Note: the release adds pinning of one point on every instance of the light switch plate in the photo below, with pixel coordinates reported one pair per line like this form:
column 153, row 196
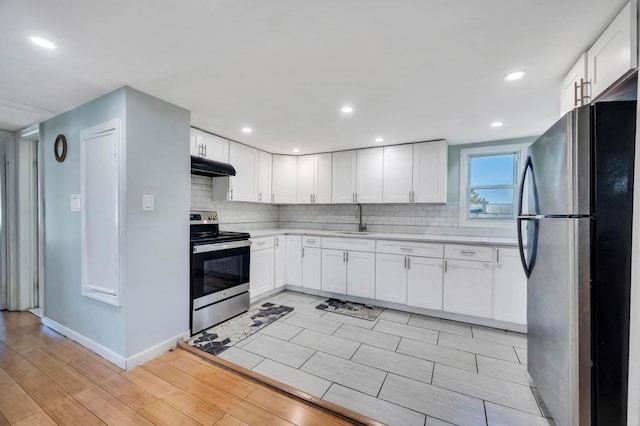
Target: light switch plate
column 148, row 203
column 76, row 202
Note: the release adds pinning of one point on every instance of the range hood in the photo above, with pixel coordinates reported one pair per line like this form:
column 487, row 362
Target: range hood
column 203, row 167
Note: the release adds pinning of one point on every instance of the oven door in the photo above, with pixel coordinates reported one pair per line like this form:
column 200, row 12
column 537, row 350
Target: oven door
column 219, row 271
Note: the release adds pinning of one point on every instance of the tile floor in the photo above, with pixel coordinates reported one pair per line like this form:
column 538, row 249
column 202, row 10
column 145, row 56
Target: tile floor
column 402, row 369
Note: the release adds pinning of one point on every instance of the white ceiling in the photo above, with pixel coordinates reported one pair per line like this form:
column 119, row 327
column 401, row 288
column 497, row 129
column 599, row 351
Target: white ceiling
column 413, row 69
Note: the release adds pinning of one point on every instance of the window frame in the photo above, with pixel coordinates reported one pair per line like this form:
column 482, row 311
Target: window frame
column 466, row 154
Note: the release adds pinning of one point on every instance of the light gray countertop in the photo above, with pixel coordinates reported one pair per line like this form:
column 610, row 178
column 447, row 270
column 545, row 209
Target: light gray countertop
column 427, row 238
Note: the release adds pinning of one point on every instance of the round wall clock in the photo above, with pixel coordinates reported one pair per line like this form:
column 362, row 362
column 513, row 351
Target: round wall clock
column 60, row 148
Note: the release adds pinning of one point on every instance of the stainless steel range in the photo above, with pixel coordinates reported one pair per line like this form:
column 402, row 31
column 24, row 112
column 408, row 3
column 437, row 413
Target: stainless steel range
column 219, row 272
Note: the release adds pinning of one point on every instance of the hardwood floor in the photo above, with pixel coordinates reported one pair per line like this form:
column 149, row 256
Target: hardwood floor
column 46, row 379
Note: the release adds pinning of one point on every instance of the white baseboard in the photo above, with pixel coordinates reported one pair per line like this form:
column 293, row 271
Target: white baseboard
column 111, row 356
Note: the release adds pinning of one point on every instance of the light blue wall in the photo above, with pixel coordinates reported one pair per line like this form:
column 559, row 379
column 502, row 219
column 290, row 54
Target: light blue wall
column 453, row 182
column 158, row 163
column 64, row 303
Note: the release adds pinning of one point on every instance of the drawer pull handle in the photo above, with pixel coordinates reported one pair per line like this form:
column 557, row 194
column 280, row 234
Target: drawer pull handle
column 405, row 249
column 261, row 243
column 468, row 253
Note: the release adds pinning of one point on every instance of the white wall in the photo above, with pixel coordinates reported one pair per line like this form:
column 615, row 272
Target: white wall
column 157, row 270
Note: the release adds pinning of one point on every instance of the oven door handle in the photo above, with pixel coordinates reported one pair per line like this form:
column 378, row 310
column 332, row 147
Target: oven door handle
column 206, row 248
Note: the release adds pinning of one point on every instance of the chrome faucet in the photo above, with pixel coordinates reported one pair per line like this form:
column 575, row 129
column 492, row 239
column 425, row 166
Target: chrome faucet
column 361, row 227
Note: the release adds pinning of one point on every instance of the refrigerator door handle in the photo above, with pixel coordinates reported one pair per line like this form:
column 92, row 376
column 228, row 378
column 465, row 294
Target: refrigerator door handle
column 532, row 219
column 527, row 166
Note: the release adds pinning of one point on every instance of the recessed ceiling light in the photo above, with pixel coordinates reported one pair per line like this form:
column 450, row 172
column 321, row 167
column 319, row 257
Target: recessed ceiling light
column 43, row 43
column 515, row 75
column 247, row 129
column 379, row 140
column 497, row 124
column 347, row 109
column 296, row 150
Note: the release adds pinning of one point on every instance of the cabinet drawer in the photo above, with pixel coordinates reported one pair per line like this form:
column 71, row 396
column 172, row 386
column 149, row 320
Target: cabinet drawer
column 311, row 241
column 481, row 254
column 354, row 244
column 261, row 243
column 409, row 248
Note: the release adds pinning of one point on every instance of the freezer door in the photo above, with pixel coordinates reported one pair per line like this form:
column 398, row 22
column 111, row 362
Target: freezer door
column 558, row 311
column 561, row 167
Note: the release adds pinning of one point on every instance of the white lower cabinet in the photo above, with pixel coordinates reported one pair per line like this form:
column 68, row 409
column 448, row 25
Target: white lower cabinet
column 391, row 278
column 311, row 267
column 294, row 260
column 280, row 272
column 510, row 287
column 334, row 271
column 468, row 287
column 424, row 282
column 361, row 274
column 261, row 270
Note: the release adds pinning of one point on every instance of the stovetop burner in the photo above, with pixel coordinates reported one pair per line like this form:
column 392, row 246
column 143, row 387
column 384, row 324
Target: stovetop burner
column 205, row 230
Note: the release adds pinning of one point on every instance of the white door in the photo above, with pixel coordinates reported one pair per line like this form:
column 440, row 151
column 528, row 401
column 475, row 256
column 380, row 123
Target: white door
column 214, row 147
column 322, row 176
column 615, row 52
column 571, row 94
column 243, row 186
column 467, row 288
column 343, row 181
column 369, row 176
column 311, row 267
column 305, row 179
column 398, row 174
column 361, row 274
column 280, row 264
column 285, row 179
column 510, row 287
column 334, row 271
column 264, row 177
column 391, row 278
column 430, row 172
column 294, row 260
column 261, row 272
column 424, row 282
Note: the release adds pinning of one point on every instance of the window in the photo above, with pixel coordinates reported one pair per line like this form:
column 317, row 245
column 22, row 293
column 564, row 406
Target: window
column 489, row 180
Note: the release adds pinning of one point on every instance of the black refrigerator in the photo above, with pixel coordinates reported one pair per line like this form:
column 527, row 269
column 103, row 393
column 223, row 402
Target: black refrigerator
column 576, row 199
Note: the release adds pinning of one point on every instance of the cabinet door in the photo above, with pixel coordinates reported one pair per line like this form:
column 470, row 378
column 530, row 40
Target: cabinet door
column 571, row 86
column 430, row 172
column 193, row 142
column 243, row 186
column 467, row 288
column 614, row 54
column 361, row 274
column 397, row 176
column 391, row 278
column 334, row 271
column 510, row 288
column 322, row 176
column 285, row 178
column 343, row 181
column 424, row 282
column 215, row 147
column 264, row 177
column 294, row 260
column 311, row 267
column 261, row 272
column 305, row 179
column 280, row 264
column 369, row 177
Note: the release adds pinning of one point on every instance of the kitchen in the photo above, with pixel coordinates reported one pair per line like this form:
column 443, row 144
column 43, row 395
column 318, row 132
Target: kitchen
column 335, row 203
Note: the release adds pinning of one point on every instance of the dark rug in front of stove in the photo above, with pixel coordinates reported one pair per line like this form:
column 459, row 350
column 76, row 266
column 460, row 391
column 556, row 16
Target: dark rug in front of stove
column 351, row 309
column 221, row 337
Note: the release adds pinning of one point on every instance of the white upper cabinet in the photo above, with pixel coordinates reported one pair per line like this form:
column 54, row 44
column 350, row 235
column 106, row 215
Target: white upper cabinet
column 314, row 178
column 264, row 176
column 370, row 165
column 615, row 53
column 344, row 177
column 430, row 169
column 573, row 87
column 285, row 178
column 305, row 179
column 398, row 164
column 244, row 185
column 209, row 146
